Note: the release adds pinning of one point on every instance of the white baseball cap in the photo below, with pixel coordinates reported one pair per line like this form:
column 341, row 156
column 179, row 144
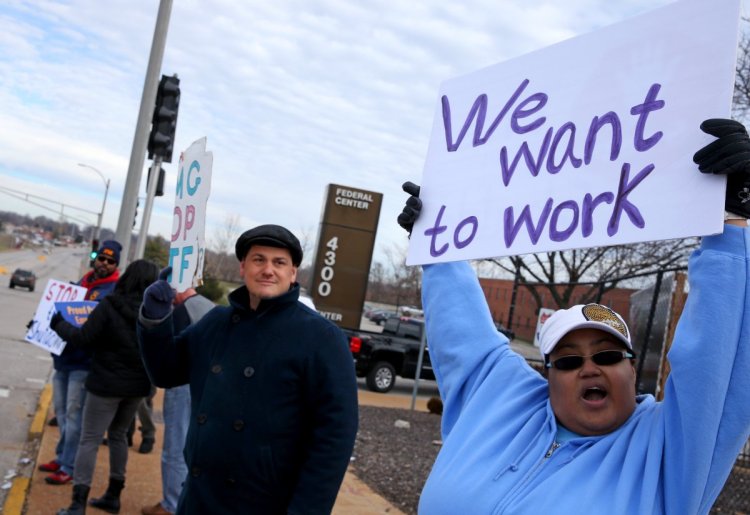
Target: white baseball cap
column 582, row 316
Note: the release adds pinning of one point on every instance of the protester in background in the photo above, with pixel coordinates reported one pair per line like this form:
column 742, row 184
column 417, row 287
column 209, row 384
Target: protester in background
column 115, row 386
column 273, row 390
column 189, row 307
column 580, row 440
column 72, row 367
column 144, row 415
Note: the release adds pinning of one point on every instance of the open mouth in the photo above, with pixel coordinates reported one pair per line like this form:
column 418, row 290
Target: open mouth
column 594, row 393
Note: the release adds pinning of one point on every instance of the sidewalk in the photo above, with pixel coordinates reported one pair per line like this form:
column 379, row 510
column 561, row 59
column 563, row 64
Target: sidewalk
column 143, row 483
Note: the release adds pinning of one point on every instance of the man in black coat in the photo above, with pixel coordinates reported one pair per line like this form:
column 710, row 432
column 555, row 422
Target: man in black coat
column 272, row 384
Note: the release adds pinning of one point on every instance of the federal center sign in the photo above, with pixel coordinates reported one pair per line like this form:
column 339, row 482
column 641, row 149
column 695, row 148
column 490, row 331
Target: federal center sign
column 346, row 240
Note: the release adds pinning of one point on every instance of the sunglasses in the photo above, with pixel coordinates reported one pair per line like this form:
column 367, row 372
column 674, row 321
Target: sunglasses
column 105, row 259
column 603, row 358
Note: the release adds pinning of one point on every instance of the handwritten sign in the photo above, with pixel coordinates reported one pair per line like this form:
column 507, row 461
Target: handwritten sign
column 40, row 333
column 585, row 143
column 76, row 313
column 188, row 245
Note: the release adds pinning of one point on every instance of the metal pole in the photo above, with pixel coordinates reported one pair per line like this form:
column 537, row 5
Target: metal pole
column 140, row 139
column 418, row 372
column 649, row 325
column 104, row 202
column 153, row 182
column 512, row 308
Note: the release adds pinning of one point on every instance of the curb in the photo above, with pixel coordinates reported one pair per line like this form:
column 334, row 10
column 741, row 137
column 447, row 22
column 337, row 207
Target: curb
column 40, row 417
column 16, row 498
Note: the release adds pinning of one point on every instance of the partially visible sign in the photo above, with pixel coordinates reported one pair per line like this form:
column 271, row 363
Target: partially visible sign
column 187, row 250
column 544, row 314
column 77, row 312
column 346, row 239
column 40, row 333
column 582, row 144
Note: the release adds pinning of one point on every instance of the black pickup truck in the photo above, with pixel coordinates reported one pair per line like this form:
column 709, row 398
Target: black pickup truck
column 380, row 357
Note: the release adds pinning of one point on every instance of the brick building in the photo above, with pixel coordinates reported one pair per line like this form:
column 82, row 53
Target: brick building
column 498, row 293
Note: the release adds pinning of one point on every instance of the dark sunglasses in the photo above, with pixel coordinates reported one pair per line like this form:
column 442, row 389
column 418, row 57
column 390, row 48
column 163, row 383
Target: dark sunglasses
column 105, row 259
column 603, row 358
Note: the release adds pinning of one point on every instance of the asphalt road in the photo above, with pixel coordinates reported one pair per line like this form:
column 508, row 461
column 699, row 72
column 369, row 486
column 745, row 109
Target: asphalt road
column 24, row 368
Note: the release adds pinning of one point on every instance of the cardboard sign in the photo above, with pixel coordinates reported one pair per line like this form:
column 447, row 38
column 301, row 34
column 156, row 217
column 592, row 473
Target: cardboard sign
column 40, row 333
column 582, row 144
column 188, row 245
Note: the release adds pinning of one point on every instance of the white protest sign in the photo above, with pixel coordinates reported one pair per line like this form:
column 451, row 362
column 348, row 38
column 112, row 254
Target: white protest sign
column 39, row 333
column 188, row 246
column 585, row 143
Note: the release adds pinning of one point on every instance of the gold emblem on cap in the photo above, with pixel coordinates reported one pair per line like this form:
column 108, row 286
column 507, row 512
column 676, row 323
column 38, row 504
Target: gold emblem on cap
column 603, row 314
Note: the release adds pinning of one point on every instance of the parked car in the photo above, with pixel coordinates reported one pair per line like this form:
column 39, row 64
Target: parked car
column 380, row 316
column 380, row 357
column 23, row 278
column 507, row 332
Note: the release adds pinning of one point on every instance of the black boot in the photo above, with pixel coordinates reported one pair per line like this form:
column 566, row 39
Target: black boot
column 110, row 501
column 78, row 506
column 147, row 445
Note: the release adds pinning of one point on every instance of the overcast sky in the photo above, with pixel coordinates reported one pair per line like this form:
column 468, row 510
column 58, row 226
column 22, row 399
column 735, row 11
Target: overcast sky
column 291, row 95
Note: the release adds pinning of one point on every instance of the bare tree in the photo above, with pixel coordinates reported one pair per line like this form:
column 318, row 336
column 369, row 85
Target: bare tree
column 599, row 269
column 406, row 281
column 741, row 101
column 219, row 262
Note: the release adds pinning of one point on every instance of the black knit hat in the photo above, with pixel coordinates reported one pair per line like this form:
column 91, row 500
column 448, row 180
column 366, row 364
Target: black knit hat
column 111, row 249
column 271, row 236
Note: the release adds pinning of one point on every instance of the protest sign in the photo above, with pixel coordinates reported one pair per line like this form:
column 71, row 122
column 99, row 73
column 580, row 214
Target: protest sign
column 39, row 332
column 76, row 313
column 188, row 245
column 582, row 144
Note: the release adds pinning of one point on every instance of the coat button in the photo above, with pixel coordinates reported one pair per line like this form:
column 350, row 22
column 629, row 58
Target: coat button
column 195, row 471
column 235, row 318
column 238, row 425
column 216, row 369
column 202, row 418
column 249, row 371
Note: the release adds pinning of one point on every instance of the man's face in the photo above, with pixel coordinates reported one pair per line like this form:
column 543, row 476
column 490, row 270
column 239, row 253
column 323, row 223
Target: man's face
column 267, row 272
column 593, row 399
column 104, row 266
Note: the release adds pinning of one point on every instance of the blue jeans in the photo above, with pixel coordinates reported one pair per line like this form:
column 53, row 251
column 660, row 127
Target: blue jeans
column 176, row 411
column 68, row 397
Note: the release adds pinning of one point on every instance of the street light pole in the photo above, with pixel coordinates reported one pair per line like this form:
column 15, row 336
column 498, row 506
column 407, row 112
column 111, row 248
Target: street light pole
column 104, row 202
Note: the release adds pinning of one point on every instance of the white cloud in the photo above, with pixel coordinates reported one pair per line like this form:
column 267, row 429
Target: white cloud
column 291, row 94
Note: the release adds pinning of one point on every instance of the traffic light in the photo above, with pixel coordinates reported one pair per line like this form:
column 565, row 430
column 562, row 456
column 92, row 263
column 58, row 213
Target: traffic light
column 94, row 251
column 164, row 120
column 159, row 182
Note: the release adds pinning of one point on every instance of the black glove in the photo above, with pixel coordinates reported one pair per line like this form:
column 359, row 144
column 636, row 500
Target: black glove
column 158, row 297
column 412, row 208
column 55, row 320
column 730, row 155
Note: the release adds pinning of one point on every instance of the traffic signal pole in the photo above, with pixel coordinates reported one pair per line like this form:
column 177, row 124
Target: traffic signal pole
column 153, row 181
column 138, row 151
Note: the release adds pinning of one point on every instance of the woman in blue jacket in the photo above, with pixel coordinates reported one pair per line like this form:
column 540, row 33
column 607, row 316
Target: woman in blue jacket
column 580, row 440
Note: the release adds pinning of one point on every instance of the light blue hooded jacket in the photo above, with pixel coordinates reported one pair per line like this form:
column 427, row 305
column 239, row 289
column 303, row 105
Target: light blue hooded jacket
column 669, row 457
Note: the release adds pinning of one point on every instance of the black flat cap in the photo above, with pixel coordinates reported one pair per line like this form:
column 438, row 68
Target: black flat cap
column 271, row 236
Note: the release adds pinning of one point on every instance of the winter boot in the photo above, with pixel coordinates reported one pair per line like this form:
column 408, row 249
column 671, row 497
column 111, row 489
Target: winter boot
column 110, row 501
column 78, row 506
